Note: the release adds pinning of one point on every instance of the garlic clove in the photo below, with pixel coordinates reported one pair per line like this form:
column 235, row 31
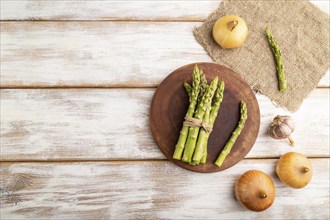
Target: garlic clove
column 289, row 122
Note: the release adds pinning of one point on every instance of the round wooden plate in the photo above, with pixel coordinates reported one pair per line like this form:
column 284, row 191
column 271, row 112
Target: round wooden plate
column 170, row 103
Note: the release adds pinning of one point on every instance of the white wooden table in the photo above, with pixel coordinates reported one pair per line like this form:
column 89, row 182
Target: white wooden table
column 77, row 78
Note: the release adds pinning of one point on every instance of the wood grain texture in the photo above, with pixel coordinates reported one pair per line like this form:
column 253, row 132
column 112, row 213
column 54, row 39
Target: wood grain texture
column 103, row 54
column 170, row 103
column 94, row 54
column 101, row 124
column 112, row 124
column 150, row 190
column 113, row 10
column 106, row 10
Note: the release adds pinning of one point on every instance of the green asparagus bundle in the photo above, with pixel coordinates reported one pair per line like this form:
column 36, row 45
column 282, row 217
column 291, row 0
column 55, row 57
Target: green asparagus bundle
column 195, row 89
column 235, row 134
column 209, row 118
column 199, row 114
column 199, row 120
column 203, row 89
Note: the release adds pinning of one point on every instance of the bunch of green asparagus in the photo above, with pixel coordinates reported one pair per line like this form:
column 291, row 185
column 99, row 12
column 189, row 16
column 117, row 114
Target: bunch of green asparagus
column 192, row 144
column 200, row 117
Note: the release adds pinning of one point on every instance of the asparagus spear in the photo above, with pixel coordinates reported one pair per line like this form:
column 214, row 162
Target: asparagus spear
column 214, row 112
column 203, row 87
column 191, row 109
column 210, row 119
column 203, row 160
column 202, row 135
column 234, row 135
column 188, row 88
column 278, row 58
column 204, row 157
column 193, row 131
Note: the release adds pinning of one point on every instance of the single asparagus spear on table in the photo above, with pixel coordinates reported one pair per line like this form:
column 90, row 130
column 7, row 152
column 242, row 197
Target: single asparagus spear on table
column 209, row 118
column 278, row 58
column 229, row 145
column 191, row 109
column 193, row 131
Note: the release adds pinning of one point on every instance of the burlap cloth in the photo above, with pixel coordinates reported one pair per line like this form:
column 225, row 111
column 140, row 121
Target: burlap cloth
column 302, row 32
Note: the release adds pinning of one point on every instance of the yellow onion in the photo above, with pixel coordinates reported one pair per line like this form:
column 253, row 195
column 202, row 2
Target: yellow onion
column 255, row 190
column 294, row 170
column 230, row 31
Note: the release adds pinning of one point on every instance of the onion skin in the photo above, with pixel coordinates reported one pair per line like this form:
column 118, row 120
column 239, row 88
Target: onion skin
column 230, row 31
column 255, row 190
column 294, row 170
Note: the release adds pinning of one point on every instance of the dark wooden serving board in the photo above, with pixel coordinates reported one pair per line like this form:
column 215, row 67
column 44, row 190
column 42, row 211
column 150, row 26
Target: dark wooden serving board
column 170, row 104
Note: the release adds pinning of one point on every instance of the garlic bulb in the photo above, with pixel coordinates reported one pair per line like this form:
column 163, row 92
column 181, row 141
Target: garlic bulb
column 255, row 190
column 281, row 128
column 294, row 170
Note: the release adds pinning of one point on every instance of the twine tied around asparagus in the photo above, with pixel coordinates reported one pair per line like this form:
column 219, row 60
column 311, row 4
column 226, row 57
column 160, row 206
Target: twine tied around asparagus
column 193, row 122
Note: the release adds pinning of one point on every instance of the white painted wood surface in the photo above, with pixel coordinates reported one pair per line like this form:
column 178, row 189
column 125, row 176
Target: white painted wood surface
column 87, row 43
column 101, row 124
column 87, row 54
column 151, row 190
column 105, row 10
column 165, row 10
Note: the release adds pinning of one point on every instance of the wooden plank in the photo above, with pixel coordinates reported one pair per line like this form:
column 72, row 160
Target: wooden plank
column 106, row 10
column 113, row 10
column 150, row 190
column 112, row 124
column 86, row 54
column 104, row 54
